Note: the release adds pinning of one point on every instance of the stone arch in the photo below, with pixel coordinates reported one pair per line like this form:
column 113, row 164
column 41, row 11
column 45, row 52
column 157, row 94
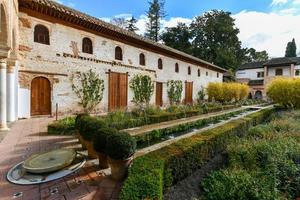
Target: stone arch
column 3, row 26
column 258, row 95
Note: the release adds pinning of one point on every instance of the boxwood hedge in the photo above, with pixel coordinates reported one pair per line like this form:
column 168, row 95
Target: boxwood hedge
column 152, row 173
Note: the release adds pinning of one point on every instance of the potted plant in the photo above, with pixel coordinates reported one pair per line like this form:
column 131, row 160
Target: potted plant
column 78, row 127
column 100, row 140
column 90, row 126
column 120, row 149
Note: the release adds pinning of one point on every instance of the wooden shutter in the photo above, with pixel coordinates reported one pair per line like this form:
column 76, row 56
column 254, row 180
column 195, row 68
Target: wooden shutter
column 159, row 94
column 123, row 90
column 189, row 92
column 40, row 96
column 118, row 91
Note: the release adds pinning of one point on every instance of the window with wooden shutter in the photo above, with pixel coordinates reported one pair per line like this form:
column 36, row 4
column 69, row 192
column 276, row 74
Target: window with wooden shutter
column 189, row 70
column 142, row 59
column 41, row 34
column 160, row 63
column 118, row 53
column 199, row 73
column 87, row 46
column 176, row 68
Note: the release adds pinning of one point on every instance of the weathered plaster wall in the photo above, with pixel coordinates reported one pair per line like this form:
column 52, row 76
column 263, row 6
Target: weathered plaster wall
column 249, row 74
column 55, row 59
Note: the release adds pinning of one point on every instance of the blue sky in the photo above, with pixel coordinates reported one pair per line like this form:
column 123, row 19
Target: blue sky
column 174, row 8
column 264, row 24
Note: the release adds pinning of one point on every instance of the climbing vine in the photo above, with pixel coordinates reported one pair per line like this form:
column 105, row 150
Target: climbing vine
column 143, row 88
column 89, row 89
column 174, row 91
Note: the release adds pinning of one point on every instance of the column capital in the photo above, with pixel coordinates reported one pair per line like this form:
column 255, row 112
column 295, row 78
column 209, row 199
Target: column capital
column 3, row 64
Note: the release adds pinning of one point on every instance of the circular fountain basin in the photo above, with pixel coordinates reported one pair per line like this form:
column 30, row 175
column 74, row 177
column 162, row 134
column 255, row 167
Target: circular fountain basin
column 50, row 161
column 18, row 175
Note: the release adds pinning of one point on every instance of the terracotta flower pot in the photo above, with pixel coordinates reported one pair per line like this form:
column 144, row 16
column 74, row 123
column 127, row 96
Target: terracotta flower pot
column 91, row 151
column 103, row 162
column 119, row 168
column 81, row 140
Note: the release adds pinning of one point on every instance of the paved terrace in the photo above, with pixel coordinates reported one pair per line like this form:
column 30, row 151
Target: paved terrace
column 27, row 137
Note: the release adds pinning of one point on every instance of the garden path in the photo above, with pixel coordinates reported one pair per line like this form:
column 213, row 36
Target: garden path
column 29, row 136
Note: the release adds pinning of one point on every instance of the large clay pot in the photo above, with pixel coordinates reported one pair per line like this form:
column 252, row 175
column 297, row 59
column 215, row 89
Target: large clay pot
column 91, row 151
column 103, row 162
column 81, row 140
column 119, row 168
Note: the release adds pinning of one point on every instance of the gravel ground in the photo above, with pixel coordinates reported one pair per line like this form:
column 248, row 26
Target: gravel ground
column 188, row 189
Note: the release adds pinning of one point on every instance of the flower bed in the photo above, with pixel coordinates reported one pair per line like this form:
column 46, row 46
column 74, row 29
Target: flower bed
column 158, row 170
column 64, row 126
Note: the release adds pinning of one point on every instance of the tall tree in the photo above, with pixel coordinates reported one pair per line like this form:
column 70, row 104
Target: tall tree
column 251, row 55
column 155, row 14
column 216, row 39
column 291, row 49
column 119, row 21
column 131, row 24
column 178, row 37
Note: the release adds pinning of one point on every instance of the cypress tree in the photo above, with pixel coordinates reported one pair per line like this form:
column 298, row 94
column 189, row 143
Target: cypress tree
column 291, row 49
column 131, row 24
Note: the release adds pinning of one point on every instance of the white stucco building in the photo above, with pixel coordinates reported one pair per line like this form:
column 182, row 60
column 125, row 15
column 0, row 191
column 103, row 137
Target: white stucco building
column 43, row 44
column 259, row 74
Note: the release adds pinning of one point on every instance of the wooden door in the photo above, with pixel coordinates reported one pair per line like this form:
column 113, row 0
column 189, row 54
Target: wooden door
column 189, row 92
column 159, row 94
column 40, row 96
column 118, row 91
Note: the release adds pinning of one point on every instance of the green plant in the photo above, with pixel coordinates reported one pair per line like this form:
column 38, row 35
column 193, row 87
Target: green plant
column 64, row 126
column 100, row 138
column 158, row 170
column 143, row 88
column 200, row 96
column 89, row 127
column 174, row 91
column 78, row 120
column 89, row 89
column 120, row 146
column 238, row 184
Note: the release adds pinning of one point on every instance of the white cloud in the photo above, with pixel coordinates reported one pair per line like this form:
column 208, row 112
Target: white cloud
column 278, row 2
column 267, row 31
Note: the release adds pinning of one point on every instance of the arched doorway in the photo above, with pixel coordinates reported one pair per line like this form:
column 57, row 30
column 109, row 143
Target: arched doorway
column 258, row 95
column 3, row 27
column 40, row 96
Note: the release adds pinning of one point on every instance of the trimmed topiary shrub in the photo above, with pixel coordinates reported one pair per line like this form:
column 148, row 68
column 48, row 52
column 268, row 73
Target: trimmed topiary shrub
column 89, row 127
column 120, row 146
column 78, row 120
column 158, row 170
column 100, row 138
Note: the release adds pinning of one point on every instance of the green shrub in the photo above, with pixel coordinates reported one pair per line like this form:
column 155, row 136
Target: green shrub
column 89, row 127
column 238, row 184
column 120, row 146
column 78, row 120
column 180, row 159
column 64, row 126
column 100, row 138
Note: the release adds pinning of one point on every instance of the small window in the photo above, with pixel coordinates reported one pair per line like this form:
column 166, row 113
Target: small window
column 87, row 46
column 260, row 74
column 218, row 75
column 278, row 72
column 206, row 73
column 189, row 70
column 176, row 68
column 199, row 73
column 41, row 34
column 160, row 63
column 118, row 53
column 142, row 59
column 297, row 73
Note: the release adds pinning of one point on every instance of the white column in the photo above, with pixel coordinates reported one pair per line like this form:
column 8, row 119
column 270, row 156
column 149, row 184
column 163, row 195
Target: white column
column 16, row 90
column 3, row 124
column 11, row 93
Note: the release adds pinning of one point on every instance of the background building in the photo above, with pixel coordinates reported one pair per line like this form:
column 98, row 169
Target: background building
column 259, row 74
